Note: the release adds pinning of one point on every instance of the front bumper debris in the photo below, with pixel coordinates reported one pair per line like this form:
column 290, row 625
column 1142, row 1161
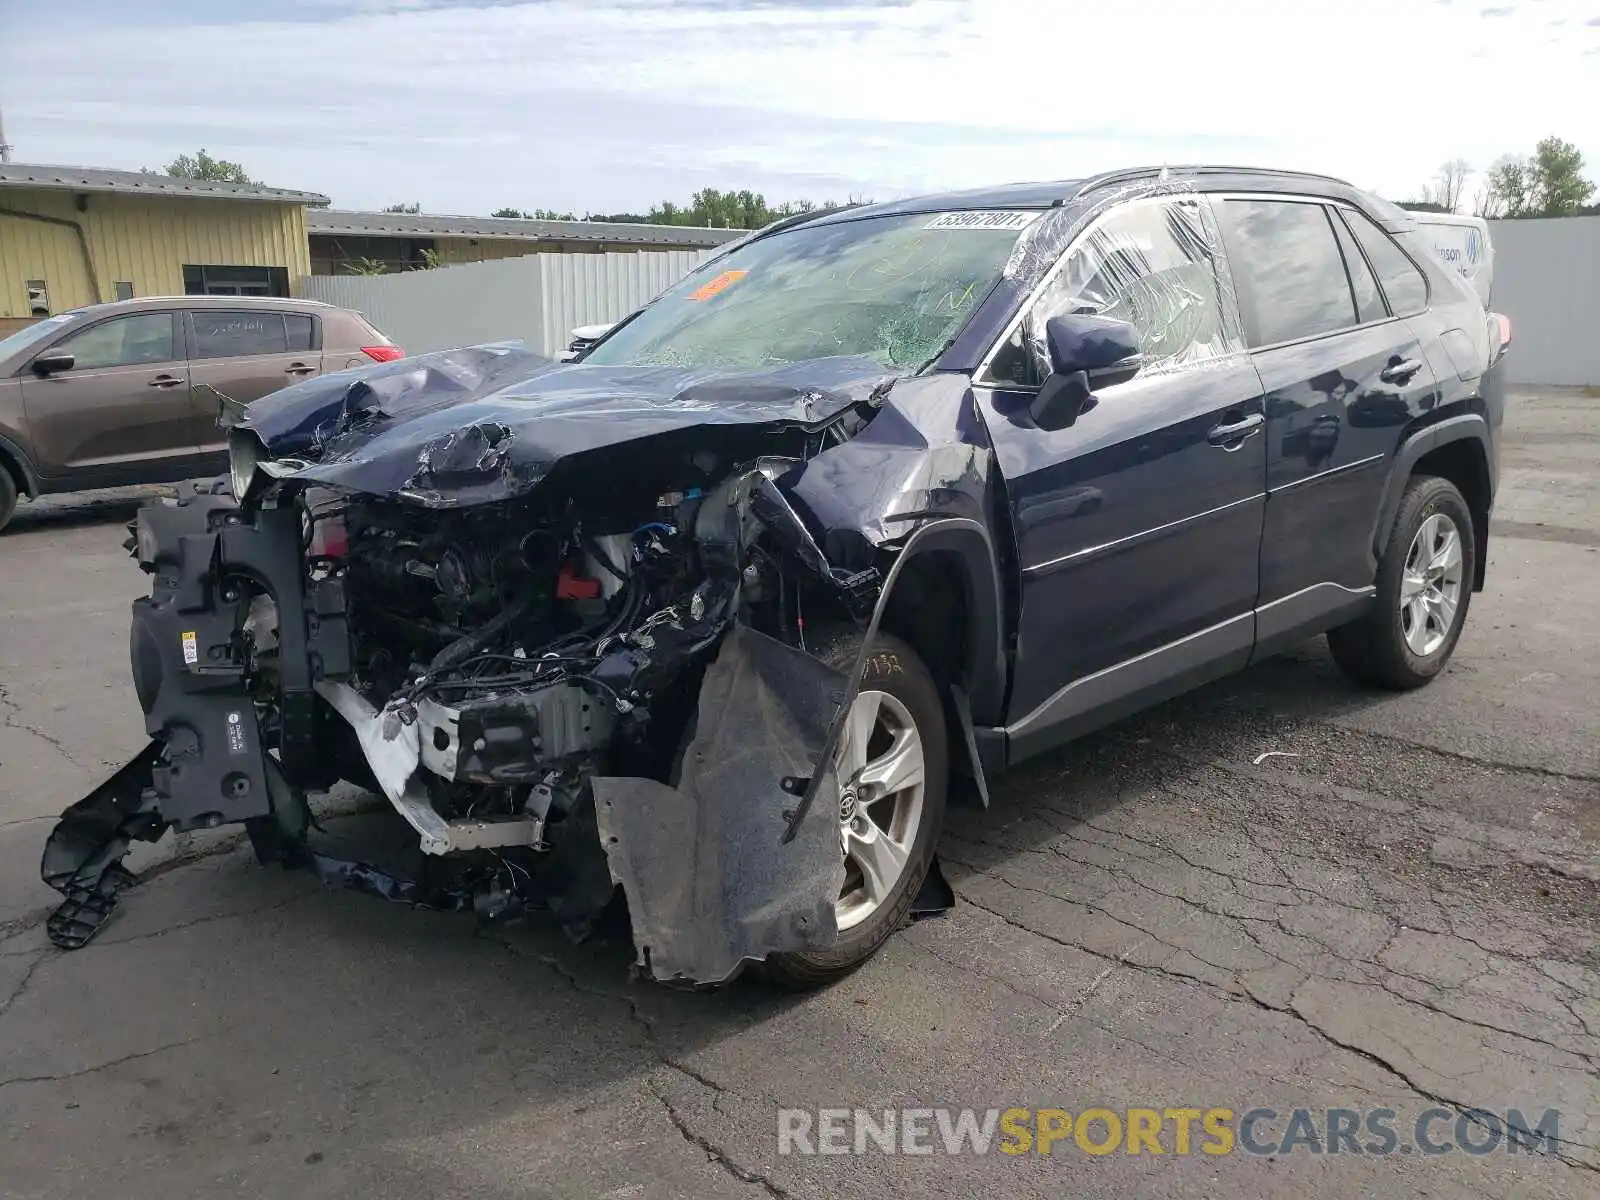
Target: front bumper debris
column 715, row 868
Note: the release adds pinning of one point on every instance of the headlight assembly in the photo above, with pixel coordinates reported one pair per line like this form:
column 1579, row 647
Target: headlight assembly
column 244, row 459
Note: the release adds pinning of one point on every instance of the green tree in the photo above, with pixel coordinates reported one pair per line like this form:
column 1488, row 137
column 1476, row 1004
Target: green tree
column 1548, row 183
column 414, row 207
column 1506, row 192
column 539, row 214
column 1555, row 177
column 203, row 166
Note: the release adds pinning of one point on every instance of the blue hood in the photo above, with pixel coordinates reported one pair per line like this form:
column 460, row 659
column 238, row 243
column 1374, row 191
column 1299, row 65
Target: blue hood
column 488, row 423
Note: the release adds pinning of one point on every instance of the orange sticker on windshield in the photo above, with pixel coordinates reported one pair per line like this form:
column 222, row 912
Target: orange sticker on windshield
column 718, row 285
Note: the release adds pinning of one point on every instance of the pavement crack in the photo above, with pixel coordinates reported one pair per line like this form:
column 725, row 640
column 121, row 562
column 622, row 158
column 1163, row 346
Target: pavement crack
column 105, row 1066
column 25, row 982
column 715, row 1153
column 1114, row 960
column 636, row 1015
column 209, row 920
column 1464, row 1108
column 10, row 720
column 24, row 821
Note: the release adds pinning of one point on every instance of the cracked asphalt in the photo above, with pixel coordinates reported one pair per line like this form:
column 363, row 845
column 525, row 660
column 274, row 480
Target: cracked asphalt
column 1400, row 908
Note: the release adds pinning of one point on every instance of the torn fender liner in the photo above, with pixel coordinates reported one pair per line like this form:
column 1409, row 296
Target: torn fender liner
column 83, row 857
column 709, row 880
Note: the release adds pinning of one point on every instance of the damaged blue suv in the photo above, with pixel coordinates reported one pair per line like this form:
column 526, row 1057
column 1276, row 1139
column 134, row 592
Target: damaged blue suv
column 702, row 624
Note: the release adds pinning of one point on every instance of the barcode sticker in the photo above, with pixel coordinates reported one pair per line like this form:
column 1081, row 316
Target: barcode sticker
column 983, row 220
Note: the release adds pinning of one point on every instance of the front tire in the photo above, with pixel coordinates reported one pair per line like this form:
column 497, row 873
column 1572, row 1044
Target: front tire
column 8, row 495
column 1424, row 586
column 893, row 770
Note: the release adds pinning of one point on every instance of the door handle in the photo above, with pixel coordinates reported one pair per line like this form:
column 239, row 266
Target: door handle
column 1400, row 372
column 298, row 369
column 166, row 381
column 1232, row 435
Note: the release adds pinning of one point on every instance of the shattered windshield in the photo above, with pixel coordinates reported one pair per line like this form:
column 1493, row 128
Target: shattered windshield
column 894, row 289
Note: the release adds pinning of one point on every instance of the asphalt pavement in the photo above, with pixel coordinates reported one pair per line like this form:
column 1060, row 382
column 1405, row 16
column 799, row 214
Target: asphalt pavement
column 1281, row 892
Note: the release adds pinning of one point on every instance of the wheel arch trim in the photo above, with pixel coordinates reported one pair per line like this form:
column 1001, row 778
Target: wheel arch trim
column 11, row 452
column 1467, row 427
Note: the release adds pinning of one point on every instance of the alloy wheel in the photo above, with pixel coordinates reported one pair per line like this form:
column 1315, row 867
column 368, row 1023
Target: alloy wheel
column 881, row 771
column 1430, row 586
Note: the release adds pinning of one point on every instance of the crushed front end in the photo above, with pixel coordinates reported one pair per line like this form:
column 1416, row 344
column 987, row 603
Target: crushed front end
column 570, row 673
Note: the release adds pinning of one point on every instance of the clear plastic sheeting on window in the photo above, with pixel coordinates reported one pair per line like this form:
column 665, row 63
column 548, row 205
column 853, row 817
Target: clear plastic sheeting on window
column 1151, row 256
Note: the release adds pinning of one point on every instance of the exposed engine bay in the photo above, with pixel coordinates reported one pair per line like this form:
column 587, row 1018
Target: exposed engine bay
column 588, row 682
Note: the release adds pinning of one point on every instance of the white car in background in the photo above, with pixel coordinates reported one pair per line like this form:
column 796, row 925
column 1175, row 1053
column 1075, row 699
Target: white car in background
column 1463, row 243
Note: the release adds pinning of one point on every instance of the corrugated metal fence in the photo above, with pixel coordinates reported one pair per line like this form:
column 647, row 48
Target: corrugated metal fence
column 536, row 299
column 1547, row 280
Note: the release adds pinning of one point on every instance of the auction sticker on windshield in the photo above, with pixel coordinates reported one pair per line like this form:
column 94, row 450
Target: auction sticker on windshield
column 983, row 220
column 721, row 283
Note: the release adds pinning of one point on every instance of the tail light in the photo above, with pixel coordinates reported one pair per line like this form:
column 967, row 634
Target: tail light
column 1500, row 328
column 383, row 353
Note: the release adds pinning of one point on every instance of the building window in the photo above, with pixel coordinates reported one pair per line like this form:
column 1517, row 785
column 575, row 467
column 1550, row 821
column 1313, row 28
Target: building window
column 38, row 298
column 235, row 281
column 124, row 291
column 356, row 255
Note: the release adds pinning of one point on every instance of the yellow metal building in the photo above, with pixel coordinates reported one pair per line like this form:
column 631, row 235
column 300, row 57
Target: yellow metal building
column 71, row 236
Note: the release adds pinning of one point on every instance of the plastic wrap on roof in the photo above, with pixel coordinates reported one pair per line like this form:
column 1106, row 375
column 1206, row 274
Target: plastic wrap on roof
column 1148, row 253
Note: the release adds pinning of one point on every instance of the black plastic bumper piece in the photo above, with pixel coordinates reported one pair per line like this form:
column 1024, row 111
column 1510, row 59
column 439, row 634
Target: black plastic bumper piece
column 83, row 857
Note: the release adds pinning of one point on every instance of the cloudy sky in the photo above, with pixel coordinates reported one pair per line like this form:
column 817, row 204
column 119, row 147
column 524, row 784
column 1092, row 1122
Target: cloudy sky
column 468, row 105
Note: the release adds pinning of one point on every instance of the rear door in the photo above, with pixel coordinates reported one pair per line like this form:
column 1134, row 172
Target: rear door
column 1344, row 374
column 245, row 353
column 122, row 414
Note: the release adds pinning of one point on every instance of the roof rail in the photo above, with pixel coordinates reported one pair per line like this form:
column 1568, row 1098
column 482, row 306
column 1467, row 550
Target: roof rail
column 1096, row 182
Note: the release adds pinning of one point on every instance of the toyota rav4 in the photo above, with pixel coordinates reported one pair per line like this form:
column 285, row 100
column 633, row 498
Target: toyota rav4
column 706, row 619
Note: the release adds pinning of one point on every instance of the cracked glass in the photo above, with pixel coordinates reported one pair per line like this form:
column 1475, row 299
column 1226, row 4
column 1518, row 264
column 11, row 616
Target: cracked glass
column 893, row 289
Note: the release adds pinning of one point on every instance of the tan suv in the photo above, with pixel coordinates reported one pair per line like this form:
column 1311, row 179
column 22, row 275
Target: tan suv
column 116, row 394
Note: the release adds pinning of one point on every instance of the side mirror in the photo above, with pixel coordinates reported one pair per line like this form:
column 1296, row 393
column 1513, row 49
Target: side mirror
column 1085, row 351
column 51, row 362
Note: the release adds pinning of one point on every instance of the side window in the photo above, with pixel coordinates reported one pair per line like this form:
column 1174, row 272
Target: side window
column 301, row 331
column 1286, row 252
column 1369, row 301
column 1403, row 284
column 238, row 334
column 122, row 342
column 1152, row 264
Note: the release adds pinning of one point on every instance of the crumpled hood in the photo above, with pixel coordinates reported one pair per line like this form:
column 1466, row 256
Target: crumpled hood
column 487, row 423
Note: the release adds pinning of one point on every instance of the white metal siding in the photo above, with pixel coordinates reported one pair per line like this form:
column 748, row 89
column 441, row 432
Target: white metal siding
column 536, row 299
column 1547, row 280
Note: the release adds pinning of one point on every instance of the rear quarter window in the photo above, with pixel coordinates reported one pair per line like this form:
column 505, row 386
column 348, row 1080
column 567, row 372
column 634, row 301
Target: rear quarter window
column 1402, row 282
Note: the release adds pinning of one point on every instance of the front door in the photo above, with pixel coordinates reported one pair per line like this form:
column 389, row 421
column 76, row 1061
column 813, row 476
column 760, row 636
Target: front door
column 122, row 413
column 1138, row 528
column 245, row 354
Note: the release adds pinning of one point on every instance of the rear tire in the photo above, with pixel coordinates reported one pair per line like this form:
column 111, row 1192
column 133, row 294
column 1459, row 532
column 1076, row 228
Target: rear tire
column 907, row 702
column 1424, row 587
column 8, row 494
